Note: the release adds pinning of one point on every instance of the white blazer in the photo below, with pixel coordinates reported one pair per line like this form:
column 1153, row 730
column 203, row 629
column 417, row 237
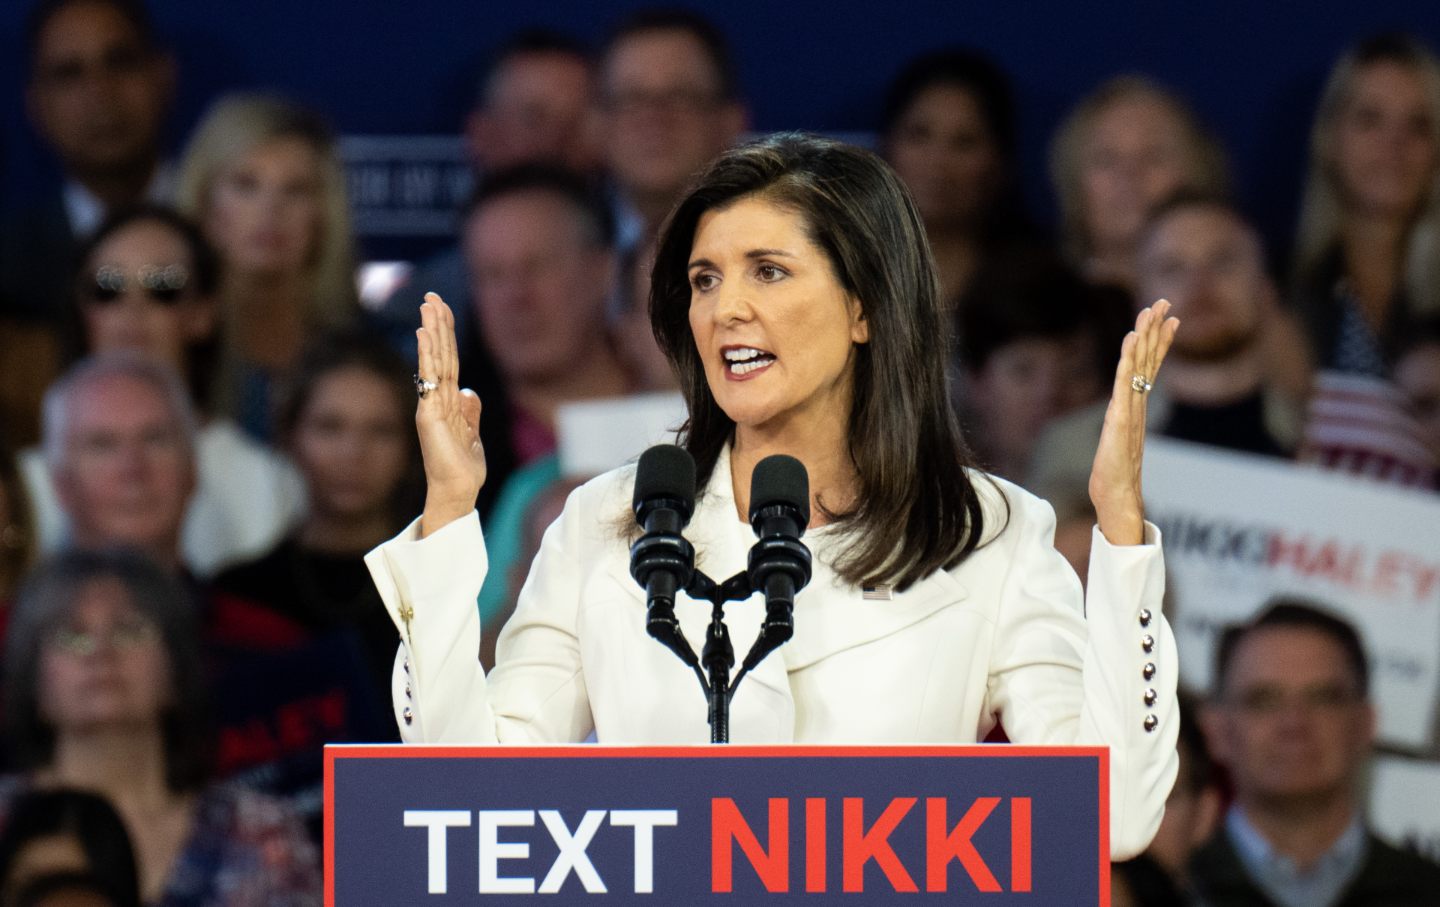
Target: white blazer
column 1006, row 636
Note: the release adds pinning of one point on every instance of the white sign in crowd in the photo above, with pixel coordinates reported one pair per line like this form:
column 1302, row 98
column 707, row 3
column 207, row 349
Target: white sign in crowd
column 1239, row 530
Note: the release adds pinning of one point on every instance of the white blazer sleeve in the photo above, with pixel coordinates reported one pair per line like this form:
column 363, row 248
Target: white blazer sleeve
column 429, row 588
column 1071, row 669
column 441, row 694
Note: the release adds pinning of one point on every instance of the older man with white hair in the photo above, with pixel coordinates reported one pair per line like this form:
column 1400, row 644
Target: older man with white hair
column 119, row 449
column 125, row 460
column 121, row 453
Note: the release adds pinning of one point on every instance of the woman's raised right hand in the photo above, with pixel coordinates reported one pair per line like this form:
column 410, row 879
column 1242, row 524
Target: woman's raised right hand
column 448, row 421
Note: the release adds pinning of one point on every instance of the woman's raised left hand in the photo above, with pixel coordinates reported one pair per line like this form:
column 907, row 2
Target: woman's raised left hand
column 1115, row 475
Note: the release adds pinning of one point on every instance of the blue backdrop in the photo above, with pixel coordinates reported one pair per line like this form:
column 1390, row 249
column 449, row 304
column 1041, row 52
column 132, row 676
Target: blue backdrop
column 1252, row 69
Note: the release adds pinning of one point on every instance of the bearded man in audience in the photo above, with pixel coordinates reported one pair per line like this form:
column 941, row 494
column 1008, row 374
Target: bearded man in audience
column 1200, row 253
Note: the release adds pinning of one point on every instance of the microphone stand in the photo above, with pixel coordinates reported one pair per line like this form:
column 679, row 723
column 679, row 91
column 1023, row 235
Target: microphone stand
column 778, row 566
column 718, row 655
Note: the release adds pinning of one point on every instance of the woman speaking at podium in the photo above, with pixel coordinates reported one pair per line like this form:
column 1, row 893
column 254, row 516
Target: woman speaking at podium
column 795, row 295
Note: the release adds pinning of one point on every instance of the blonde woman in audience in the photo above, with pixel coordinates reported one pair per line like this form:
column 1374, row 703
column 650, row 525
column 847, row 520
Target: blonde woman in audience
column 1367, row 258
column 1125, row 147
column 105, row 691
column 263, row 179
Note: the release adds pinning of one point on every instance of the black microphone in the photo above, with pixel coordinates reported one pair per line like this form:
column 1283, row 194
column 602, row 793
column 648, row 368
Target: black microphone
column 779, row 562
column 662, row 560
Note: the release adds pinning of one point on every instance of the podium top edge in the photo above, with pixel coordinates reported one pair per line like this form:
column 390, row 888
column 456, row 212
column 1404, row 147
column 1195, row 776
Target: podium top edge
column 704, row 751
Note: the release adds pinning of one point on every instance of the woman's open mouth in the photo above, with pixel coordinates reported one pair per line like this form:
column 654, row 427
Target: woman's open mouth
column 744, row 361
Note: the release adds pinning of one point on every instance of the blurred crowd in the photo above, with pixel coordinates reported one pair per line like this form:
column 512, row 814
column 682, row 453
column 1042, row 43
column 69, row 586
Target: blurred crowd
column 202, row 431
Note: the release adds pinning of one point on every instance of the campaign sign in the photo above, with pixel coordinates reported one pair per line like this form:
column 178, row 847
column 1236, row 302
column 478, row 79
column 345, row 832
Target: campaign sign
column 1239, row 530
column 1002, row 825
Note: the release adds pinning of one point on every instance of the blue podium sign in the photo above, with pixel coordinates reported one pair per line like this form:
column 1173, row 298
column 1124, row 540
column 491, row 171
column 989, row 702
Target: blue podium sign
column 1002, row 825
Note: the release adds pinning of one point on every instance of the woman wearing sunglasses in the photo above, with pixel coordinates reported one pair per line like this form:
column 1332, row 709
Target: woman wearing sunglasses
column 146, row 286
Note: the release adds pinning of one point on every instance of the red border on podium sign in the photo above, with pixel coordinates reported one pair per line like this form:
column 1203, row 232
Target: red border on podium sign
column 701, row 751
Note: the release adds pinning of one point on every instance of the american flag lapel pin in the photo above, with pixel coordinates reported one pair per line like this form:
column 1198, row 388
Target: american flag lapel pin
column 880, row 592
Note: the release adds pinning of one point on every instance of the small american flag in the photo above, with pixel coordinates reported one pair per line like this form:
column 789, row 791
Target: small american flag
column 1359, row 424
column 876, row 593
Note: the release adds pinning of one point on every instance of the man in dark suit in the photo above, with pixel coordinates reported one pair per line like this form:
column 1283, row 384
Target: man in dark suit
column 1292, row 721
column 98, row 94
column 534, row 105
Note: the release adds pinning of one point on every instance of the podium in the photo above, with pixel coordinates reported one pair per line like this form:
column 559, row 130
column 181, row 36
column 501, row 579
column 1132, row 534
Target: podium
column 736, row 825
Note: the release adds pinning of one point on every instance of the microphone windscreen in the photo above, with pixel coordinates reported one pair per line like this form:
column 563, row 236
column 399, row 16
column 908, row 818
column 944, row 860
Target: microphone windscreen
column 665, row 471
column 780, row 479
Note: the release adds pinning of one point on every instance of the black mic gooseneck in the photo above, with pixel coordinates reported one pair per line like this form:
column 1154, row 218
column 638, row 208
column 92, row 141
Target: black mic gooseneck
column 663, row 562
column 779, row 563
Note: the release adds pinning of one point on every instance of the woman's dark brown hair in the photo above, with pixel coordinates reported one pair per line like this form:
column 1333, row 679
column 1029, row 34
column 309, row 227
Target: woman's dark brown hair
column 917, row 510
column 87, row 819
column 339, row 350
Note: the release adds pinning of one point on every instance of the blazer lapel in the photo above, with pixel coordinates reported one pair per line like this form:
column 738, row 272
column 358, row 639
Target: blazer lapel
column 832, row 616
column 762, row 710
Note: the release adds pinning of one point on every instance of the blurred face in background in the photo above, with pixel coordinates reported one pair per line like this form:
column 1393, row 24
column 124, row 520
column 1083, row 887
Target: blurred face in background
column 138, row 294
column 98, row 95
column 351, row 443
column 44, row 856
column 1385, row 152
column 666, row 116
column 77, row 895
column 541, row 283
column 1024, row 384
column 1209, row 265
column 126, row 471
column 1133, row 157
column 538, row 107
column 265, row 210
column 1291, row 723
column 104, row 665
column 943, row 150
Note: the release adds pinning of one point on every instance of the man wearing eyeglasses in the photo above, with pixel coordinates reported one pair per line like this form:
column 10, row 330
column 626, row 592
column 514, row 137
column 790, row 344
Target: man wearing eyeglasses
column 98, row 95
column 1291, row 720
column 669, row 104
column 119, row 444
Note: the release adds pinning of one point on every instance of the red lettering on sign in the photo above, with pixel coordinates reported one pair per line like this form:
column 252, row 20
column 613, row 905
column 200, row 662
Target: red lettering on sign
column 1019, row 843
column 815, row 844
column 942, row 847
column 861, row 846
column 727, row 825
column 1426, row 576
column 1283, row 552
column 1387, row 569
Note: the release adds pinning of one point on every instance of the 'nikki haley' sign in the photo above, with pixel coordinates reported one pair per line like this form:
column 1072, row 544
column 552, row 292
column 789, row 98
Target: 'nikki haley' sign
column 716, row 825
